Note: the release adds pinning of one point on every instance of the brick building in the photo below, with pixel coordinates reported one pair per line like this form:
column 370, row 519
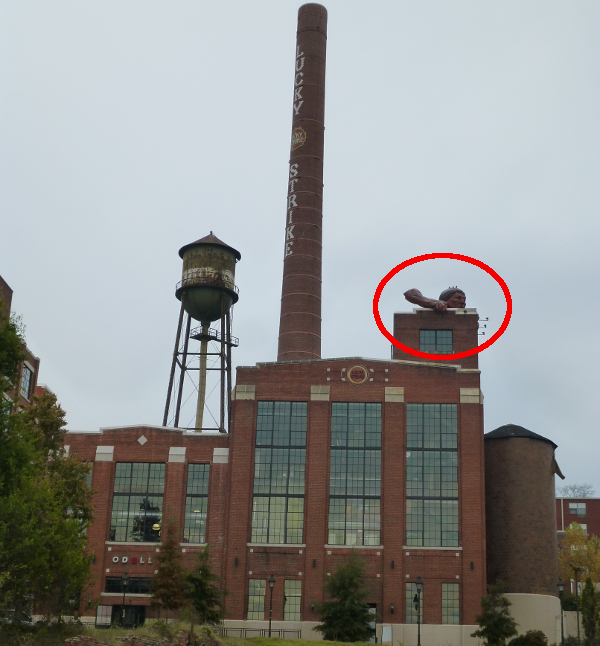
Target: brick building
column 385, row 457
column 584, row 511
column 27, row 377
column 323, row 456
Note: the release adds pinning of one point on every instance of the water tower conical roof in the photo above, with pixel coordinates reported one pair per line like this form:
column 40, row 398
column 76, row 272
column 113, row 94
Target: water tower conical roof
column 210, row 239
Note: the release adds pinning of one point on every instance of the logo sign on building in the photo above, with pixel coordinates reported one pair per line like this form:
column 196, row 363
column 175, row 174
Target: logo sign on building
column 298, row 138
column 134, row 559
column 357, row 374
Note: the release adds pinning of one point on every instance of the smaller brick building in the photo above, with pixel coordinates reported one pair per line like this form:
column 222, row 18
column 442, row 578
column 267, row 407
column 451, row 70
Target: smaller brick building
column 141, row 475
column 584, row 511
column 27, row 377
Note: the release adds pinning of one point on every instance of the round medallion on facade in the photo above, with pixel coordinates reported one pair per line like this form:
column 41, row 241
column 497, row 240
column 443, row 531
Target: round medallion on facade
column 357, row 374
column 298, row 137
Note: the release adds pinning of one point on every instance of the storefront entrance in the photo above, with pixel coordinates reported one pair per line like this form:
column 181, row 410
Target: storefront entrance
column 134, row 616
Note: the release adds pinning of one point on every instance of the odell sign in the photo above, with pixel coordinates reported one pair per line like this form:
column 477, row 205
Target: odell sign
column 132, row 559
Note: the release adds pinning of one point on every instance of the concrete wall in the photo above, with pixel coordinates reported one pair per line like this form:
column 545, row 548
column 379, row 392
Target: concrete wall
column 571, row 624
column 431, row 634
column 536, row 612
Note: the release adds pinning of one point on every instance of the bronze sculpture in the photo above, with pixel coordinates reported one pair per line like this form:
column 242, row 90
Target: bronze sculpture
column 453, row 297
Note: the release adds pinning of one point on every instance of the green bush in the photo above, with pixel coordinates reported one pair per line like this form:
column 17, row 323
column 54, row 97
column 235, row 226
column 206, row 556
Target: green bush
column 530, row 638
column 569, row 602
column 164, row 629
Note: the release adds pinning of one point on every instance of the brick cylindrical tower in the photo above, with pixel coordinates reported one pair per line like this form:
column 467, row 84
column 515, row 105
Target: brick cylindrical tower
column 520, row 510
column 300, row 322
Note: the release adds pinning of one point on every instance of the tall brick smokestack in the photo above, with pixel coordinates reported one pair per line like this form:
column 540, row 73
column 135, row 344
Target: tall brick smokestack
column 300, row 321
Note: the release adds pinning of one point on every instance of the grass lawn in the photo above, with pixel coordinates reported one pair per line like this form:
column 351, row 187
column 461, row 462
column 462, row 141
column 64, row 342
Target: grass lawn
column 56, row 635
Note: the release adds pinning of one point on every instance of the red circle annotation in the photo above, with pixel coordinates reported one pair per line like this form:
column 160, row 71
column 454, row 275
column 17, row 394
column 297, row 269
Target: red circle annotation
column 433, row 256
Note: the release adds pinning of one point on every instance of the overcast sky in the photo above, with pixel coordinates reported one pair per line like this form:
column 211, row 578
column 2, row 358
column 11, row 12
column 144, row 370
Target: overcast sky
column 129, row 129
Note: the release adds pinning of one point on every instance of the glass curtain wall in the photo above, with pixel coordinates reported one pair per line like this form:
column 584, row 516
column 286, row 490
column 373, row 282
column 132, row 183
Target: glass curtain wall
column 431, row 475
column 196, row 503
column 137, row 502
column 279, row 467
column 355, row 474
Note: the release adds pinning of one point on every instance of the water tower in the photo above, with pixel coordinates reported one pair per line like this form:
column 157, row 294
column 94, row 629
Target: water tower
column 207, row 293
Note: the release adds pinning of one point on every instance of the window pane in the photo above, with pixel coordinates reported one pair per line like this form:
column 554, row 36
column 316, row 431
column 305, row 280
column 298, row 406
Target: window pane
column 137, row 502
column 26, row 382
column 435, row 341
column 450, row 603
column 279, row 471
column 432, row 475
column 292, row 600
column 256, row 599
column 411, row 612
column 196, row 503
column 355, row 474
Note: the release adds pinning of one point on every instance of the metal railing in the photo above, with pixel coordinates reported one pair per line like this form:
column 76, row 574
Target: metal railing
column 213, row 335
column 246, row 633
column 210, row 280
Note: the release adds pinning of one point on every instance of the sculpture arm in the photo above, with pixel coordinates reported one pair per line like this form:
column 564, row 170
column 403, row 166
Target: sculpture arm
column 414, row 296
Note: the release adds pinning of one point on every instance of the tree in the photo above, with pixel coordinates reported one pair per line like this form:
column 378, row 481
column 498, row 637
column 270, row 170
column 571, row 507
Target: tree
column 495, row 622
column 45, row 502
column 169, row 587
column 530, row 638
column 346, row 617
column 580, row 550
column 11, row 349
column 204, row 592
column 45, row 506
column 575, row 491
column 589, row 612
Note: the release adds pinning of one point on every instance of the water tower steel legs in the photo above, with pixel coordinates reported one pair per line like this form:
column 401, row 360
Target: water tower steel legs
column 224, row 339
column 172, row 375
column 181, row 356
column 183, row 366
column 228, row 327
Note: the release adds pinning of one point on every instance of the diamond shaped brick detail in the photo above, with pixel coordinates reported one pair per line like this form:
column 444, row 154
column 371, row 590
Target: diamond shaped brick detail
column 142, row 440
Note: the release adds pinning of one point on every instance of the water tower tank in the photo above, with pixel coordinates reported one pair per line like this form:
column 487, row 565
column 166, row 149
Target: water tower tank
column 208, row 277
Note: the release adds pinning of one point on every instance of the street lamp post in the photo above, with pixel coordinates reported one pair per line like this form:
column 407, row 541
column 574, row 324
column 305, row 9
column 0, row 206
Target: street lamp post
column 125, row 581
column 577, row 570
column 417, row 602
column 271, row 585
column 561, row 589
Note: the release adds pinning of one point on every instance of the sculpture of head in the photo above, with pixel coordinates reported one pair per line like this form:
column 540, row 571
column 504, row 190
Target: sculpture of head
column 454, row 297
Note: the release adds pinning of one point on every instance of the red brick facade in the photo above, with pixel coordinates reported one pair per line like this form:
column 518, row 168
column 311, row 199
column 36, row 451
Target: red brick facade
column 319, row 383
column 521, row 541
column 31, row 364
column 591, row 519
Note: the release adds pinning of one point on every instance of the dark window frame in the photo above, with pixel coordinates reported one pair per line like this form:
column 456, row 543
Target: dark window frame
column 143, row 516
column 432, row 508
column 580, row 509
column 135, row 585
column 451, row 611
column 259, row 588
column 279, row 473
column 26, row 382
column 436, row 341
column 355, row 473
column 292, row 600
column 410, row 589
column 196, row 498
